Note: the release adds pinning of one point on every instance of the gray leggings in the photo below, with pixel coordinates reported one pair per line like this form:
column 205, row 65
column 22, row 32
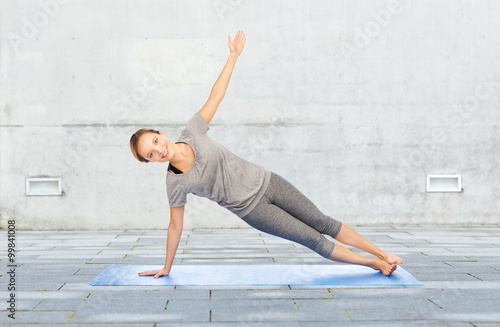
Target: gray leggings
column 285, row 212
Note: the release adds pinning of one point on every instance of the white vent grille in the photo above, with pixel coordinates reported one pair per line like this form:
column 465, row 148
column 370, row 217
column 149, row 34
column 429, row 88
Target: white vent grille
column 444, row 183
column 44, row 186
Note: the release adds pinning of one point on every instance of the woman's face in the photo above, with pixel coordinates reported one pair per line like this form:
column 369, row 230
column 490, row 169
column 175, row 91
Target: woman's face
column 155, row 147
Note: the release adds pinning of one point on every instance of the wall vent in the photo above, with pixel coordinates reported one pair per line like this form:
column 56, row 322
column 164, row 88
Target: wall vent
column 44, row 186
column 444, row 183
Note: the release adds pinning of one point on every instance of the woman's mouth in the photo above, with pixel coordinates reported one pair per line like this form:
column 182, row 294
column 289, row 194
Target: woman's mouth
column 165, row 152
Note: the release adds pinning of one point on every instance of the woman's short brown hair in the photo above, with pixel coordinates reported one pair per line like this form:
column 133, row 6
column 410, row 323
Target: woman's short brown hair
column 134, row 139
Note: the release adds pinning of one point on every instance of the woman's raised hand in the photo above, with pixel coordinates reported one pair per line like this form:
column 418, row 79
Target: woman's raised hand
column 156, row 273
column 238, row 43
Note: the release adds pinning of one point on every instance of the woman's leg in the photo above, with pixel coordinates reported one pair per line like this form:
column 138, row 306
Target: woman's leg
column 349, row 236
column 271, row 218
column 286, row 196
column 341, row 254
column 289, row 198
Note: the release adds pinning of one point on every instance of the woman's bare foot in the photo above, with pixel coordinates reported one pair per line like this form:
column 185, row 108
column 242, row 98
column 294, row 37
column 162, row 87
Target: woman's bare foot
column 390, row 258
column 384, row 267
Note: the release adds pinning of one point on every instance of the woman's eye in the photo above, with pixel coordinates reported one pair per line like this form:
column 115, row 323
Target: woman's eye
column 156, row 141
column 151, row 155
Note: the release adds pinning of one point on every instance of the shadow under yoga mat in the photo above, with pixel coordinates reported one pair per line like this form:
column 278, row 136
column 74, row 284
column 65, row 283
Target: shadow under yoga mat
column 228, row 275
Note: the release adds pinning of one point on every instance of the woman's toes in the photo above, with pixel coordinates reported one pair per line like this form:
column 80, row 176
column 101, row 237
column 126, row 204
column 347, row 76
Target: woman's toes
column 392, row 258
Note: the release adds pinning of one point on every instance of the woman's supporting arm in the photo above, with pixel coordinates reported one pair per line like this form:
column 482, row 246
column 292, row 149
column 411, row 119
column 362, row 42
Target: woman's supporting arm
column 173, row 237
column 220, row 86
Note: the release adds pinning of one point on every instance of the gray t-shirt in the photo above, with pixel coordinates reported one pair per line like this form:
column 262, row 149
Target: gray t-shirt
column 216, row 173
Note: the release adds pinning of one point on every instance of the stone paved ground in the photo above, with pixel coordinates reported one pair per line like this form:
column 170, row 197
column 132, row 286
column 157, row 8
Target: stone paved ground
column 459, row 267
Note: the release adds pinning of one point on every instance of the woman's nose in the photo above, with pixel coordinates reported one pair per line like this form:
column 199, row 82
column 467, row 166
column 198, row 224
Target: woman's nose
column 158, row 150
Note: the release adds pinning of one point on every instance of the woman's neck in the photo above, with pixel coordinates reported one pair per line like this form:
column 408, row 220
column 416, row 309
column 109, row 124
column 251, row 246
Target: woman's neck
column 183, row 157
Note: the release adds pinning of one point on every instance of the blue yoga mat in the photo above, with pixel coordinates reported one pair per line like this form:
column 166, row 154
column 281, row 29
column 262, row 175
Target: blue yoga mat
column 217, row 275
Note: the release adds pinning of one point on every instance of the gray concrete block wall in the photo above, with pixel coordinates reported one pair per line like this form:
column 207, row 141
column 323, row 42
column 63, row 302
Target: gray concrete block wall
column 354, row 102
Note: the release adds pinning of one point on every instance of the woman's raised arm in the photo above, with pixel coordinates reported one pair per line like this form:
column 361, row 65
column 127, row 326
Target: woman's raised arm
column 220, row 86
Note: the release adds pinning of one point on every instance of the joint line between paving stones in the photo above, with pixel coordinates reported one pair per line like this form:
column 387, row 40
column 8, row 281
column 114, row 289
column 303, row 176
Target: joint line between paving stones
column 37, row 305
column 72, row 315
column 440, row 307
column 88, row 295
column 474, row 276
column 345, row 310
column 330, row 291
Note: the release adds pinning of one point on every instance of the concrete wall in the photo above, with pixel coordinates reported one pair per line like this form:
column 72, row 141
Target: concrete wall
column 354, row 102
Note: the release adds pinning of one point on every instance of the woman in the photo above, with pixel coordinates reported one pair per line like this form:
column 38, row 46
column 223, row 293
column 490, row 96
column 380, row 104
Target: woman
column 263, row 199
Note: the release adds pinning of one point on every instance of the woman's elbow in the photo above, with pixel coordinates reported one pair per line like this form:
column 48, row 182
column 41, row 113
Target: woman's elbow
column 217, row 96
column 177, row 228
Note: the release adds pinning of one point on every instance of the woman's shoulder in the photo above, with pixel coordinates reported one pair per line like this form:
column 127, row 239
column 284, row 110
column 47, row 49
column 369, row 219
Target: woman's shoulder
column 197, row 125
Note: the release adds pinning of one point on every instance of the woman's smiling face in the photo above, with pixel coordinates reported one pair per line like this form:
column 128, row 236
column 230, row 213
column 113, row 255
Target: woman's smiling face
column 155, row 147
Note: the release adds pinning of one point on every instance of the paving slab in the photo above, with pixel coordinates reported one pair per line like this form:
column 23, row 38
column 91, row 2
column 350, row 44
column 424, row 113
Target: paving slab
column 271, row 294
column 401, row 316
column 252, row 310
column 35, row 317
column 402, row 323
column 92, row 325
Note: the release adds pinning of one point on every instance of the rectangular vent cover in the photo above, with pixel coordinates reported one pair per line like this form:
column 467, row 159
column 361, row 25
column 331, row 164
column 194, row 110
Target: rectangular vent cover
column 44, row 186
column 444, row 183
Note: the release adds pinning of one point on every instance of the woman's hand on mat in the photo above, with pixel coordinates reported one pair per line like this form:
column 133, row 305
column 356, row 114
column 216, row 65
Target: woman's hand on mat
column 156, row 273
column 236, row 46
